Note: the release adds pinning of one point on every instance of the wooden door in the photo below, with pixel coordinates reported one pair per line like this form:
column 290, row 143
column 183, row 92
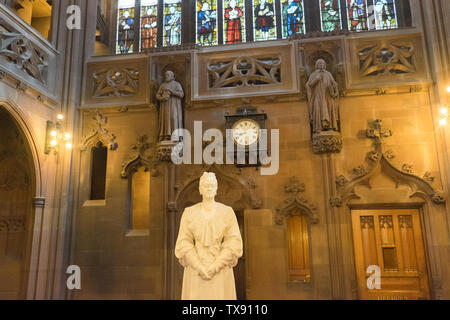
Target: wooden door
column 391, row 240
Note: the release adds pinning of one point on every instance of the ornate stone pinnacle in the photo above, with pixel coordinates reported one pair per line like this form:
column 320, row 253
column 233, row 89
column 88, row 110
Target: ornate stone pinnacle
column 294, row 186
column 378, row 132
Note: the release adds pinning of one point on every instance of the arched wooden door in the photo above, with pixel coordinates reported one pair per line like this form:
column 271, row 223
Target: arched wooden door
column 16, row 194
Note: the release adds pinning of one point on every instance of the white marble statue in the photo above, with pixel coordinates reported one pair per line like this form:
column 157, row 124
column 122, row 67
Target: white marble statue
column 209, row 245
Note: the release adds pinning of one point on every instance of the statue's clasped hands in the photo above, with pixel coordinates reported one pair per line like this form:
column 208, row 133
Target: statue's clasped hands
column 207, row 273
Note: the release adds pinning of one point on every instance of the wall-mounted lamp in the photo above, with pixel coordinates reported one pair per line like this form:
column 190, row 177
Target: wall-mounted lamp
column 56, row 137
column 444, row 116
column 448, row 89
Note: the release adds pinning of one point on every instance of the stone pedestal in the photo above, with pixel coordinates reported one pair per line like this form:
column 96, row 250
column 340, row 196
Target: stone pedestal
column 327, row 142
column 165, row 149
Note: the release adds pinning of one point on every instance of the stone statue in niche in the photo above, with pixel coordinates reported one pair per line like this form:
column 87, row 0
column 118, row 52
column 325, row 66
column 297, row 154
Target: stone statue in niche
column 209, row 245
column 323, row 104
column 170, row 95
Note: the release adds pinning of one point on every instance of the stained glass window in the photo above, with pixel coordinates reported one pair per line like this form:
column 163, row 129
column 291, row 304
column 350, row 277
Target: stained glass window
column 293, row 17
column 172, row 22
column 264, row 20
column 234, row 21
column 125, row 26
column 149, row 23
column 330, row 15
column 357, row 15
column 385, row 14
column 207, row 22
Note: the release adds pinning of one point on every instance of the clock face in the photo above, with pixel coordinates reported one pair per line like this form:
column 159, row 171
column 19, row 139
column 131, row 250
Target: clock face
column 246, row 132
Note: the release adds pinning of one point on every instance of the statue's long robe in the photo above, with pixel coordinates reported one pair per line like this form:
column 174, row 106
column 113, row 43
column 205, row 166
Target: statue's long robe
column 323, row 101
column 209, row 236
column 171, row 111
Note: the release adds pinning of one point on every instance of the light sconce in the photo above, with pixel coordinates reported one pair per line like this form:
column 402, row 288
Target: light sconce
column 444, row 116
column 56, row 137
column 448, row 89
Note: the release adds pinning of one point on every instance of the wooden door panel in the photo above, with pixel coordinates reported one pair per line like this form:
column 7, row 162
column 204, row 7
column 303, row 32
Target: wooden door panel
column 391, row 240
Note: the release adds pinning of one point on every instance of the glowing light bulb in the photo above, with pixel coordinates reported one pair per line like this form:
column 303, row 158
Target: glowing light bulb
column 53, row 143
column 68, row 145
column 60, row 116
column 443, row 122
column 53, row 133
column 448, row 89
column 68, row 136
column 444, row 111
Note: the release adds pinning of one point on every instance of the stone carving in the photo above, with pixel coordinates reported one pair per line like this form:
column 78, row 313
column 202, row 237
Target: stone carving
column 245, row 71
column 145, row 156
column 379, row 159
column 295, row 203
column 341, row 181
column 323, row 104
column 21, row 86
column 20, row 51
column 209, row 245
column 101, row 133
column 374, row 156
column 378, row 132
column 12, row 223
column 170, row 95
column 115, row 82
column 386, row 59
column 408, row 168
column 169, row 149
column 389, row 155
column 327, row 142
column 294, row 186
column 428, row 176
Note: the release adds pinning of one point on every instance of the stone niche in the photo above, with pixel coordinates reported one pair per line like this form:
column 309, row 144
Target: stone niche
column 231, row 72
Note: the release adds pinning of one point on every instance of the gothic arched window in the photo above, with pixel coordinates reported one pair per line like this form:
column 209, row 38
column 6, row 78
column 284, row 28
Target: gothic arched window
column 126, row 26
column 146, row 24
column 206, row 32
column 264, row 20
column 172, row 22
column 149, row 24
column 357, row 15
column 330, row 15
column 293, row 17
column 385, row 14
column 234, row 21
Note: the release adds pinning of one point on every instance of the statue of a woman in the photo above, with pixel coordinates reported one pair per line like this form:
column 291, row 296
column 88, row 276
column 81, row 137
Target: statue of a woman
column 323, row 100
column 170, row 95
column 209, row 245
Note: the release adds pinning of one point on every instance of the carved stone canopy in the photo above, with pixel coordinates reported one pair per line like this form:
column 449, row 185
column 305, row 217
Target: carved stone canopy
column 296, row 204
column 235, row 189
column 145, row 156
column 381, row 159
column 100, row 133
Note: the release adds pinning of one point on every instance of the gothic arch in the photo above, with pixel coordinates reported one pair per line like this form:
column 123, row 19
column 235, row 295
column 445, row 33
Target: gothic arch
column 379, row 161
column 21, row 183
column 241, row 194
column 33, row 147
